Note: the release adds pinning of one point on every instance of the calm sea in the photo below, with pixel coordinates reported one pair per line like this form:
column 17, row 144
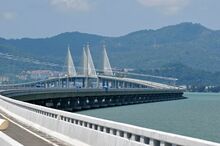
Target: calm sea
column 198, row 116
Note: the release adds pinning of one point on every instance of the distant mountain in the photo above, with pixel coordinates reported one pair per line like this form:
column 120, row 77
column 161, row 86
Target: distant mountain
column 194, row 46
column 187, row 75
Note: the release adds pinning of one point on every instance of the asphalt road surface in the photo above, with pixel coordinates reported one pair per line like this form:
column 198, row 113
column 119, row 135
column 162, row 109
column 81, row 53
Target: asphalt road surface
column 26, row 138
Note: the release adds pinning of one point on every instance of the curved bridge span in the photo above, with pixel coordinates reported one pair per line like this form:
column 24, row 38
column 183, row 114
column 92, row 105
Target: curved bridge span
column 80, row 92
column 80, row 99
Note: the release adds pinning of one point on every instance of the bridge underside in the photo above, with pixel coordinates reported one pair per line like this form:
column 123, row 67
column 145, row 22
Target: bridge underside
column 81, row 99
column 83, row 103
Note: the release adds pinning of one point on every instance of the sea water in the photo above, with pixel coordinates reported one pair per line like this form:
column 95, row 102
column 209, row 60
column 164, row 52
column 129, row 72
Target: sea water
column 197, row 116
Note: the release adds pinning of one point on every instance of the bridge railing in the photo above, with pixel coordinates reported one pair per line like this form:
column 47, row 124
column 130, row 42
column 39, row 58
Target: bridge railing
column 66, row 82
column 84, row 130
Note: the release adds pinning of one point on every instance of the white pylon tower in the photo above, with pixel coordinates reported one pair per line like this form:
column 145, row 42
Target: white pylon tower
column 88, row 65
column 85, row 63
column 71, row 71
column 107, row 70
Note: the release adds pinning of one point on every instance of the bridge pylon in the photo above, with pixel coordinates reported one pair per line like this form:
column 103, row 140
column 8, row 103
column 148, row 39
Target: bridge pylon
column 69, row 65
column 88, row 65
column 106, row 66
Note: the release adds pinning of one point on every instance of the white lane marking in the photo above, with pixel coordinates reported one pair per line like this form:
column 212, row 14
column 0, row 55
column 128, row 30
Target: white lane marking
column 38, row 136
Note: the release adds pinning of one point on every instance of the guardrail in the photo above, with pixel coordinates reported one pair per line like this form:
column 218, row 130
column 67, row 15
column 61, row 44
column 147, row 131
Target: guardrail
column 83, row 130
column 42, row 83
column 81, row 91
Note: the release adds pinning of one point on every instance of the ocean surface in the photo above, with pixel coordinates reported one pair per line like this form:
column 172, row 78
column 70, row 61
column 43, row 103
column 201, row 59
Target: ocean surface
column 198, row 116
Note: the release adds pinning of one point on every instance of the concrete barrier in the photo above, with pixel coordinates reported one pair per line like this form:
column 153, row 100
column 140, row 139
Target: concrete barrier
column 83, row 130
column 5, row 140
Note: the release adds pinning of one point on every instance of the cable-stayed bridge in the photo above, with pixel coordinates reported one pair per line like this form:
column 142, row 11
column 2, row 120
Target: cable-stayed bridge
column 87, row 88
column 88, row 77
column 45, row 101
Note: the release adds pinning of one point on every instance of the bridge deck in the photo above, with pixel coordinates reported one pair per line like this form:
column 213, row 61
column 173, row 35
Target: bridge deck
column 32, row 137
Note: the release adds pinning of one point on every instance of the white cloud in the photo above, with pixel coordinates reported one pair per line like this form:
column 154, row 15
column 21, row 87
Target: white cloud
column 7, row 15
column 75, row 5
column 167, row 6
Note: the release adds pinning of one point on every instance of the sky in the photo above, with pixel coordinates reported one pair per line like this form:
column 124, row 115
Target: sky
column 46, row 18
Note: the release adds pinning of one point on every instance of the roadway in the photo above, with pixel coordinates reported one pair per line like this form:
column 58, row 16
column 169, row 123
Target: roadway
column 27, row 135
column 56, row 82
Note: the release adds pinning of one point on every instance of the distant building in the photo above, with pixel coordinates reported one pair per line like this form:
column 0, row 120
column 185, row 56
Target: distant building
column 37, row 74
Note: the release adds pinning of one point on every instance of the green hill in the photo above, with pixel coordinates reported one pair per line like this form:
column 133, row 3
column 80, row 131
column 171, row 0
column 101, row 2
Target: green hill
column 193, row 46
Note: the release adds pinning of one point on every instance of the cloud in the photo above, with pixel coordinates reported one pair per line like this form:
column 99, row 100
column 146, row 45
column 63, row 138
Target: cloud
column 7, row 15
column 73, row 5
column 166, row 6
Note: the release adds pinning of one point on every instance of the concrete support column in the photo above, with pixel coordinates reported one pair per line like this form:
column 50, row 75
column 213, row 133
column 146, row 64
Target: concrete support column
column 133, row 137
column 151, row 142
column 111, row 131
column 46, row 85
column 64, row 83
column 61, row 83
column 93, row 126
column 123, row 84
column 99, row 128
column 74, row 81
column 88, row 124
column 67, row 82
column 76, row 122
column 110, row 84
column 58, row 84
column 142, row 139
column 162, row 143
column 114, row 85
column 97, row 82
column 103, row 82
column 104, row 129
column 83, row 82
column 86, row 82
column 118, row 133
column 127, row 135
column 154, row 142
column 107, row 82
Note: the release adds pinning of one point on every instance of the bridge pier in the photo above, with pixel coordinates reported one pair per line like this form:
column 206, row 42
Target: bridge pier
column 83, row 82
column 97, row 82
